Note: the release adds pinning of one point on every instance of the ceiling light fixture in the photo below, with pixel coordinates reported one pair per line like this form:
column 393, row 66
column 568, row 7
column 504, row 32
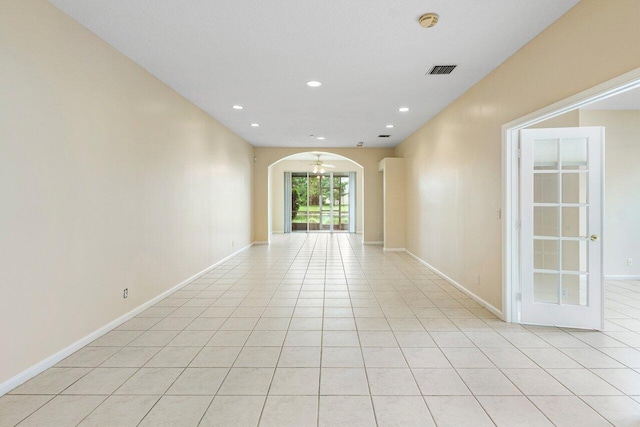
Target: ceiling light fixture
column 403, row 109
column 314, row 83
column 321, row 138
column 390, row 126
column 319, row 165
column 255, row 125
column 238, row 107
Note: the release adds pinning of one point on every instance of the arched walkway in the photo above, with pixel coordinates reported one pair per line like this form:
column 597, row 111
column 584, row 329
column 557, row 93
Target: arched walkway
column 340, row 170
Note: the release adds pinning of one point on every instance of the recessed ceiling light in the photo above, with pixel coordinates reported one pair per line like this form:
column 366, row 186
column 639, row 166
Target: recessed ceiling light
column 255, row 125
column 403, row 109
column 314, row 83
column 238, row 107
column 390, row 126
column 320, row 138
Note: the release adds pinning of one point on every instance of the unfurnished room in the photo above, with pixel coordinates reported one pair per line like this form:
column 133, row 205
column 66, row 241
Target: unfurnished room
column 320, row 213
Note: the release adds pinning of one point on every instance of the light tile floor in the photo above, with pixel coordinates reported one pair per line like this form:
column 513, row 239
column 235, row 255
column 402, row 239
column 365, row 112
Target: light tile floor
column 320, row 330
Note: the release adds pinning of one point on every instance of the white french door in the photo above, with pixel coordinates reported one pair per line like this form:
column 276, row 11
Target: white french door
column 561, row 206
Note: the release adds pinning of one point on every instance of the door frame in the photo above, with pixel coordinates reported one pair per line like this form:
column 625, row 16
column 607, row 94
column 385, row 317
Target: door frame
column 511, row 271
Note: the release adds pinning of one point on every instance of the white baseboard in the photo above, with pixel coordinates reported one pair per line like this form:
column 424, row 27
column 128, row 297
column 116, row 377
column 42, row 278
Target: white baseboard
column 34, row 370
column 394, row 250
column 621, row 277
column 260, row 243
column 373, row 242
column 466, row 291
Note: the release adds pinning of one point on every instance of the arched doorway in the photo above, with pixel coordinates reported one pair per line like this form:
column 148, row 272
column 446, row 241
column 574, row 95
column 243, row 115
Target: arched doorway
column 315, row 192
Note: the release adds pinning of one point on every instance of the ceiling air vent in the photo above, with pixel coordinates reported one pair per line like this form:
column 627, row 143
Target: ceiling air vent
column 384, row 136
column 441, row 69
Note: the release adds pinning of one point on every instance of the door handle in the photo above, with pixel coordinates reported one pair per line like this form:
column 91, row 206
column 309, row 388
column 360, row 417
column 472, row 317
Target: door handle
column 594, row 237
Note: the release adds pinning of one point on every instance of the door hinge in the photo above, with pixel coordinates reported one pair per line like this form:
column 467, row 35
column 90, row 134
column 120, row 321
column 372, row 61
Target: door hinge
column 518, row 296
column 518, row 224
column 518, row 153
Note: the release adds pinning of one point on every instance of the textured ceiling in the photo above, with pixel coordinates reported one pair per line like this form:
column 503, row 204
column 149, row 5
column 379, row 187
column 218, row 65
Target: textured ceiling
column 370, row 55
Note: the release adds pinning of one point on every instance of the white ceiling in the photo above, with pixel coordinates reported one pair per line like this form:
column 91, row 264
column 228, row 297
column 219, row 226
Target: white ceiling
column 370, row 55
column 629, row 100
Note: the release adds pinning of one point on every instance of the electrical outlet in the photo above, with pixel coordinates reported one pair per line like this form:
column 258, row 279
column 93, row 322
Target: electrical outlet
column 629, row 262
column 565, row 293
column 233, row 243
column 125, row 293
column 477, row 279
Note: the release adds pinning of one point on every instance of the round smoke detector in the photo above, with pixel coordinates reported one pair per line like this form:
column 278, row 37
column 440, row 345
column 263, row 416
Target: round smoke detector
column 428, row 20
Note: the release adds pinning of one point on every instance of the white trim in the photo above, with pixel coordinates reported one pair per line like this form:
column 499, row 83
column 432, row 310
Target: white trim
column 394, row 250
column 621, row 277
column 41, row 366
column 373, row 242
column 466, row 291
column 510, row 206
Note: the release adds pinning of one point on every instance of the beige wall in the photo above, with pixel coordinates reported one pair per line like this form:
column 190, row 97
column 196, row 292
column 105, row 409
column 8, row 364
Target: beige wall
column 276, row 179
column 453, row 162
column 392, row 170
column 368, row 158
column 109, row 180
column 622, row 188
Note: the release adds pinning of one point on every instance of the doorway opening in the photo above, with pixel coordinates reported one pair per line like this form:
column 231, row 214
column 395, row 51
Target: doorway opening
column 517, row 252
column 316, row 192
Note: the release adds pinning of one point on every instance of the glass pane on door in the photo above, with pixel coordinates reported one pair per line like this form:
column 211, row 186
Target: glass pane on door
column 545, row 154
column 545, row 187
column 574, row 152
column 340, row 202
column 574, row 289
column 299, row 208
column 545, row 221
column 574, row 186
column 315, row 201
column 574, row 255
column 545, row 254
column 574, row 221
column 545, row 288
column 325, row 208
